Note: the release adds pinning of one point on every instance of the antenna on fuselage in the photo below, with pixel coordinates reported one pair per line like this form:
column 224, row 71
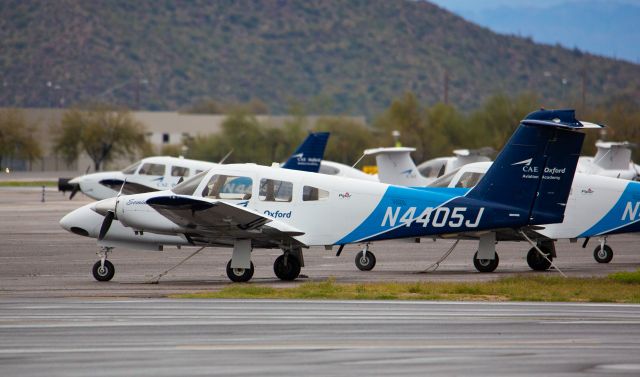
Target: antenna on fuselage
column 225, row 157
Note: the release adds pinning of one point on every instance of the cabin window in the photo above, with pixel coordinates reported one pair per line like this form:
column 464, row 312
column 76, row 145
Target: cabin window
column 152, row 169
column 272, row 190
column 228, row 187
column 131, row 169
column 469, row 179
column 189, row 186
column 310, row 193
column 179, row 171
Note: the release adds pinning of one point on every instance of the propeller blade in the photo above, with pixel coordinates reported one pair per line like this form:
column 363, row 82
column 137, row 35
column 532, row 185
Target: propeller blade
column 106, row 224
column 75, row 190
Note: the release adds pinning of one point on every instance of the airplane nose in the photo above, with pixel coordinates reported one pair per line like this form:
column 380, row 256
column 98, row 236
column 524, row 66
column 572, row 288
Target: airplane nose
column 77, row 222
column 105, row 206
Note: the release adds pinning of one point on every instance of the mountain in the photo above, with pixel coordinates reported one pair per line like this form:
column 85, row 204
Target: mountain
column 610, row 28
column 341, row 56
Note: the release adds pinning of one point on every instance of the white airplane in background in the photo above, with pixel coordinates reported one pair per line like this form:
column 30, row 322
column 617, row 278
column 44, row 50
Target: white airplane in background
column 341, row 170
column 613, row 159
column 598, row 206
column 163, row 172
column 246, row 205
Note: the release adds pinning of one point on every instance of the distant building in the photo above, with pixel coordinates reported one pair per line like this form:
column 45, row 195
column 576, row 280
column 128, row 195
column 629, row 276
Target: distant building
column 163, row 128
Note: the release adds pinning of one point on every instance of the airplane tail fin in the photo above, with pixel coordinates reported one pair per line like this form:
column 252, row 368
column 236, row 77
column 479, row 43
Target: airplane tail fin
column 309, row 154
column 396, row 167
column 534, row 171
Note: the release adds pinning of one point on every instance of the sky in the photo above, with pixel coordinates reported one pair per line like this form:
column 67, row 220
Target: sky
column 605, row 27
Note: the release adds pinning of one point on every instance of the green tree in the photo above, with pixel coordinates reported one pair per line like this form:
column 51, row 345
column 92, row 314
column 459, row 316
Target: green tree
column 101, row 131
column 16, row 137
column 496, row 120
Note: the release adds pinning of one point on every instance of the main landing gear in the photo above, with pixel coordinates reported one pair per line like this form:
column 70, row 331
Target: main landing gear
column 365, row 260
column 287, row 266
column 537, row 261
column 103, row 270
column 239, row 274
column 486, row 259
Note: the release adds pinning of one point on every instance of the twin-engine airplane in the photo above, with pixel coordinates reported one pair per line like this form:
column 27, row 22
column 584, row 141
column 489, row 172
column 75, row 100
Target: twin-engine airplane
column 163, row 172
column 245, row 205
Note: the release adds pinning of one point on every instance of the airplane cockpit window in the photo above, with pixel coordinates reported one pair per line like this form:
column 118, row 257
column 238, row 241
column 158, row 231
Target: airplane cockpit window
column 310, row 193
column 189, row 186
column 228, row 187
column 131, row 169
column 469, row 179
column 433, row 169
column 444, row 181
column 179, row 171
column 329, row 170
column 272, row 190
column 152, row 169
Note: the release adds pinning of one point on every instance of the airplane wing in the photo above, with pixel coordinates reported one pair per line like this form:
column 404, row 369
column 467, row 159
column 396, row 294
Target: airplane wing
column 219, row 222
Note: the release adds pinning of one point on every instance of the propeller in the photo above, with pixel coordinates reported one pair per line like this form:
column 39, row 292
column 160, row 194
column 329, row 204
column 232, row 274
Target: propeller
column 74, row 191
column 106, row 224
column 108, row 207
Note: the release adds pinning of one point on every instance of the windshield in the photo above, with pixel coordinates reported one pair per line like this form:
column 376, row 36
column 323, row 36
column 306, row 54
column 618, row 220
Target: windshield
column 443, row 181
column 189, row 186
column 131, row 168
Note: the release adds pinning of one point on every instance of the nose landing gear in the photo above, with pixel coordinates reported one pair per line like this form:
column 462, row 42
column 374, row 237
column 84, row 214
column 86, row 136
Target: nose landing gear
column 103, row 270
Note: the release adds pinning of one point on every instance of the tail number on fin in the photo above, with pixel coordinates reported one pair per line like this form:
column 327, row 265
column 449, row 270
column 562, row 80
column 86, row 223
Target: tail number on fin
column 436, row 217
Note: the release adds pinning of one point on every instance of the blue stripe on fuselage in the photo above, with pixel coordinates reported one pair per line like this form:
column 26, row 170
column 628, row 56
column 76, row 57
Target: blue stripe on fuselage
column 414, row 212
column 624, row 217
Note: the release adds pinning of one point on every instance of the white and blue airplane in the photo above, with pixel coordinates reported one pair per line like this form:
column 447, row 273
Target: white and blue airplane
column 598, row 205
column 245, row 205
column 163, row 172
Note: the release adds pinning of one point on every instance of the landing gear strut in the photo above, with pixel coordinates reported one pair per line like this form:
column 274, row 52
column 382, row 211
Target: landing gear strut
column 603, row 252
column 365, row 260
column 103, row 270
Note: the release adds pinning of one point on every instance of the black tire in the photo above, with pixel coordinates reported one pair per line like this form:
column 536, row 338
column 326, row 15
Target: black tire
column 103, row 274
column 365, row 262
column 486, row 265
column 287, row 272
column 536, row 261
column 239, row 275
column 604, row 255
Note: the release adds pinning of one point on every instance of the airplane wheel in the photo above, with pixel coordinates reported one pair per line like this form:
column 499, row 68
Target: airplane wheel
column 365, row 261
column 603, row 255
column 536, row 261
column 239, row 275
column 103, row 273
column 485, row 265
column 288, row 272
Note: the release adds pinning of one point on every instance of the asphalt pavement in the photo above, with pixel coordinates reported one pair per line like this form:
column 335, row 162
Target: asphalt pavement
column 164, row 337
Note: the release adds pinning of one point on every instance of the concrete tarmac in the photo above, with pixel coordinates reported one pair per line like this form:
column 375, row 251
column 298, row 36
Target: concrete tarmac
column 163, row 337
column 40, row 259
